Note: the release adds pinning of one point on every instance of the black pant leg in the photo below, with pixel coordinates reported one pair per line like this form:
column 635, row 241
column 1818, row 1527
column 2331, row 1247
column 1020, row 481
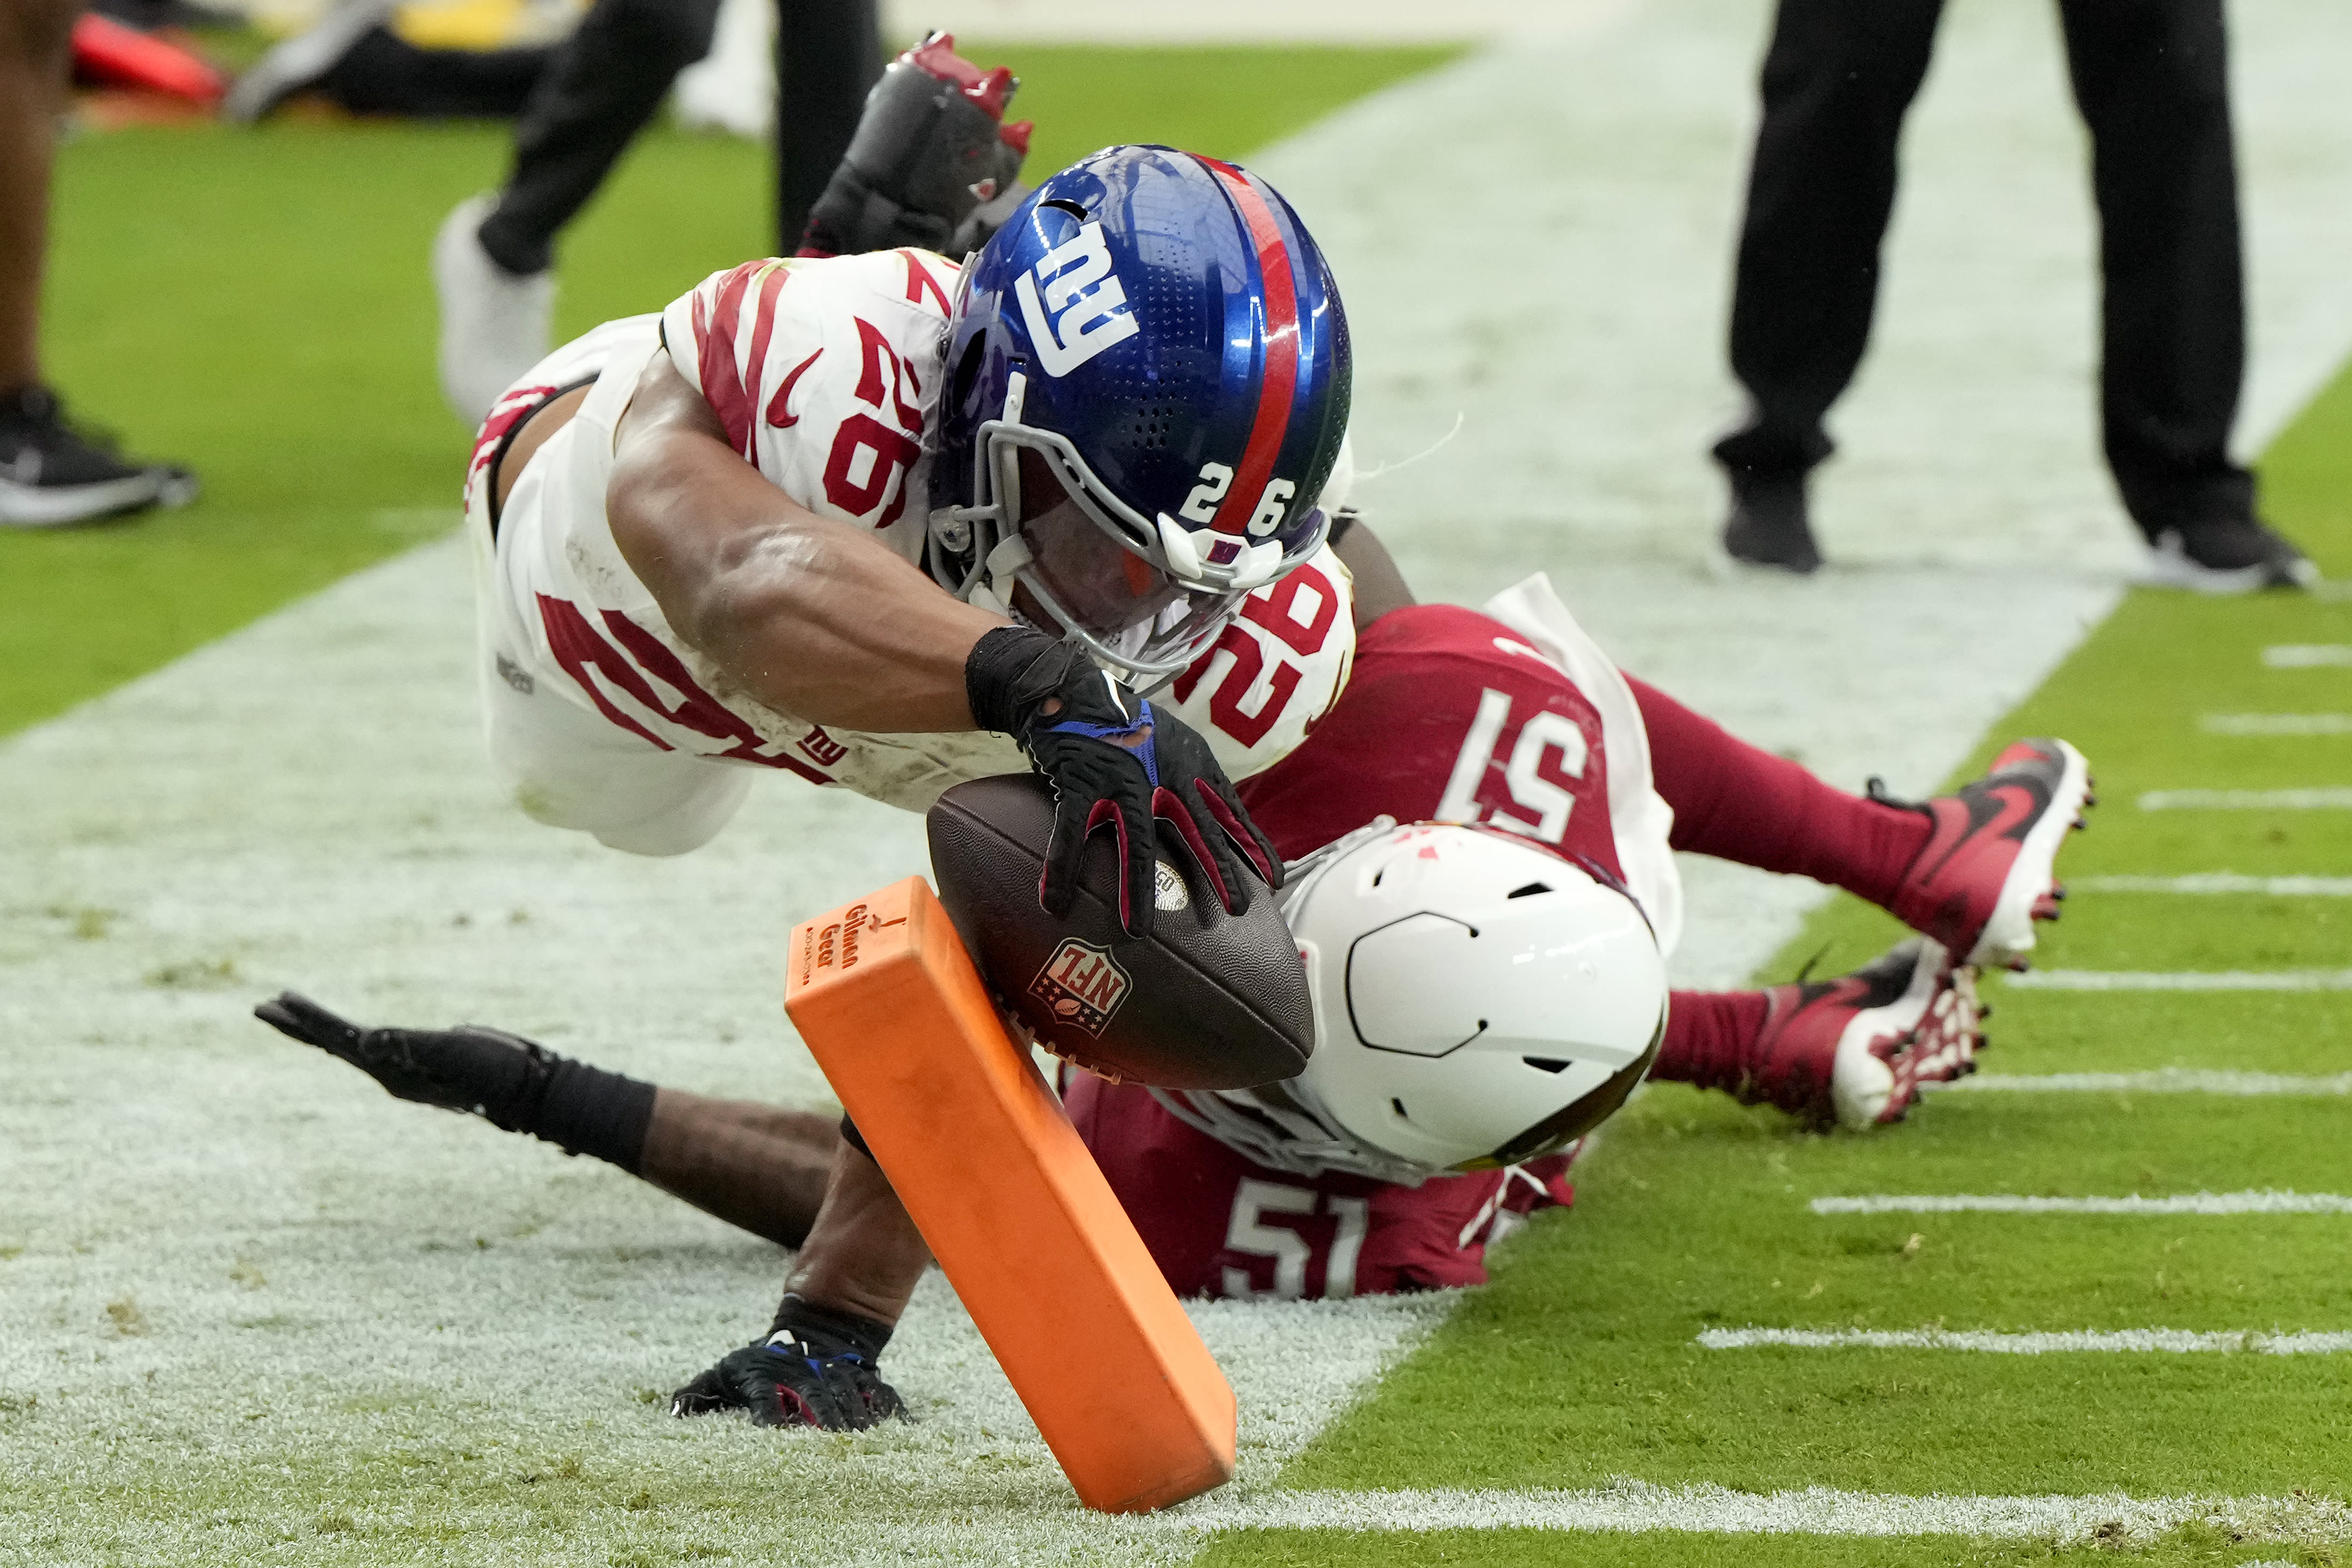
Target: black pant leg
column 2151, row 78
column 1836, row 83
column 605, row 83
column 828, row 56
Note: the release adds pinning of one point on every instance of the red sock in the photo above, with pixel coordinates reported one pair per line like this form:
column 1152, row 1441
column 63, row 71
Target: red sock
column 1739, row 802
column 1708, row 1037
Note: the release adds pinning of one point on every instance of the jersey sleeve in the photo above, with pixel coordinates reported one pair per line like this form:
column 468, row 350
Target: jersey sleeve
column 1276, row 670
column 822, row 373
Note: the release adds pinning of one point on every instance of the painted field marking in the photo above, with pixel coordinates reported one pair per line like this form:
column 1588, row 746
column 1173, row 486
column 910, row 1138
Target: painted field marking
column 2198, row 1203
column 2163, row 1080
column 2252, row 724
column 2307, row 655
column 2219, row 881
column 2160, row 980
column 1639, row 1507
column 2253, row 1342
column 2330, row 799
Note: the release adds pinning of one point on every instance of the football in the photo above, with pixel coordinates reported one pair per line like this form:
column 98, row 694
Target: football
column 1208, row 1000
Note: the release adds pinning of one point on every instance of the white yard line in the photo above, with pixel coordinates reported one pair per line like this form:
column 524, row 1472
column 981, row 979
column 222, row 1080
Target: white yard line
column 2306, row 655
column 2168, row 1341
column 1636, row 1508
column 2263, row 723
column 2190, row 980
column 2218, row 882
column 2196, row 1203
column 2319, row 799
column 2163, row 1080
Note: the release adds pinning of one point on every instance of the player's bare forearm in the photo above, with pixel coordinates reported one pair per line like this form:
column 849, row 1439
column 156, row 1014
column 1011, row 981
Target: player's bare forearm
column 1380, row 587
column 806, row 614
column 863, row 1254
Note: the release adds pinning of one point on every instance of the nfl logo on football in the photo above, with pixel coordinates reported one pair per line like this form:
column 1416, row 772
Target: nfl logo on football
column 1083, row 984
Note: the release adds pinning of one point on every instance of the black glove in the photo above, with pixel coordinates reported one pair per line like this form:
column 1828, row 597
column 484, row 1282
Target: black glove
column 1113, row 759
column 498, row 1076
column 931, row 150
column 815, row 1368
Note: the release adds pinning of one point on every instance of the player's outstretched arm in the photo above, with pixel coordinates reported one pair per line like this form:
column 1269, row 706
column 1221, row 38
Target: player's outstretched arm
column 805, row 614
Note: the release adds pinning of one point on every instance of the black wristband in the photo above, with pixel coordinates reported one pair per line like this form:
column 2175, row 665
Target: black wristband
column 854, row 1138
column 996, row 676
column 823, row 1328
column 584, row 1110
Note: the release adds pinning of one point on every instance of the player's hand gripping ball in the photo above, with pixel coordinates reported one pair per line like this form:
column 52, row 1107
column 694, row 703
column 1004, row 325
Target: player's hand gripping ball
column 1115, row 762
column 1207, row 998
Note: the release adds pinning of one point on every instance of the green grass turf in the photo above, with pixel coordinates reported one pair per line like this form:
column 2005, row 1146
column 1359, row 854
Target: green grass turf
column 1577, row 1365
column 255, row 304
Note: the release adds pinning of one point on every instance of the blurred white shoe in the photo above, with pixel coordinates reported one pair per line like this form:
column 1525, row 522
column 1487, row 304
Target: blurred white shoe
column 494, row 323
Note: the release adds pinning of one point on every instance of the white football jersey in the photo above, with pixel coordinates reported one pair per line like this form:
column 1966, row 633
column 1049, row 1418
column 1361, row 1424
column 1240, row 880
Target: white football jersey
column 824, row 374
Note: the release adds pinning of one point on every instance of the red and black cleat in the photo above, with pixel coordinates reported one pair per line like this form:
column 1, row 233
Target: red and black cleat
column 1988, row 870
column 1855, row 1052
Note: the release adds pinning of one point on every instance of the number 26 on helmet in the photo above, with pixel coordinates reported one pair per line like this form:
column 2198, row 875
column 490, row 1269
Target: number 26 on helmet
column 1153, row 349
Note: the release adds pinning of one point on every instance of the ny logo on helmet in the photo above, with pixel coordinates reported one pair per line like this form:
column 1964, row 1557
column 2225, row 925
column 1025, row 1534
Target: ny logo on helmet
column 1079, row 290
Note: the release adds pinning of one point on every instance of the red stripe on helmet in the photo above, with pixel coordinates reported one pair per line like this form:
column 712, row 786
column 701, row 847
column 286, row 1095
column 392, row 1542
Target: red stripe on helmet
column 1279, row 298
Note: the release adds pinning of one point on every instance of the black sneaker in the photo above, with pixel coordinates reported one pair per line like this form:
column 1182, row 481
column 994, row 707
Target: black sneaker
column 2229, row 555
column 298, row 62
column 52, row 475
column 1767, row 525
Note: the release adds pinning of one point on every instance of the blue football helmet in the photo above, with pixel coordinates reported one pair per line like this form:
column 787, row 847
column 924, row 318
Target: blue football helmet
column 1155, row 333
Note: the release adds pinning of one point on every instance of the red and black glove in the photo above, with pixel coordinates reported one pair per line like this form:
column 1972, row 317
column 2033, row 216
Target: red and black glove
column 1114, row 760
column 815, row 1368
column 931, row 160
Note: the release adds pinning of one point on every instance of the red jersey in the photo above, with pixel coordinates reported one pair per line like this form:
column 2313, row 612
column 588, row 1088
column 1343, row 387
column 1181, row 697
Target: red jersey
column 1450, row 716
column 1218, row 1225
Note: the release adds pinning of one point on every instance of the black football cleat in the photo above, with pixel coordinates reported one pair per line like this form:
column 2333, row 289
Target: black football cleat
column 53, row 474
column 2229, row 555
column 1768, row 525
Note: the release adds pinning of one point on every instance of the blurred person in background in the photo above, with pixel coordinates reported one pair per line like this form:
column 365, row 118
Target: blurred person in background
column 51, row 472
column 2150, row 79
column 581, row 104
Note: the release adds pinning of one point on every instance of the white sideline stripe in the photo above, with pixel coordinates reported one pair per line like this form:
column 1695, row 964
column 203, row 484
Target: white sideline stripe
column 2187, row 980
column 2209, row 882
column 1639, row 1507
column 2333, row 800
column 2172, row 1340
column 2306, row 655
column 2163, row 1080
column 2249, row 724
column 2200, row 1202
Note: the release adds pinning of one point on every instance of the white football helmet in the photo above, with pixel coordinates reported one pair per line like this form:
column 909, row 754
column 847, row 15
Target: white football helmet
column 1478, row 1001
